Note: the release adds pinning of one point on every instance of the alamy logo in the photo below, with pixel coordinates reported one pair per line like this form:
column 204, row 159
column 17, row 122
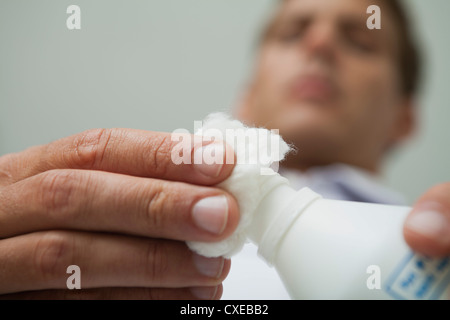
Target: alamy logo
column 73, row 22
column 254, row 147
column 374, row 280
column 374, row 21
column 73, row 281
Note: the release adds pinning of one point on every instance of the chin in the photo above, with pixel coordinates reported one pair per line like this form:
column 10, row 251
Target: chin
column 307, row 133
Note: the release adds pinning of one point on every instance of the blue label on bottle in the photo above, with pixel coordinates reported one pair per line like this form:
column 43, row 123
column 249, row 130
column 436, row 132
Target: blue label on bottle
column 419, row 277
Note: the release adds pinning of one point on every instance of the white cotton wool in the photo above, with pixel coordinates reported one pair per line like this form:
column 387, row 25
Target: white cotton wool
column 256, row 150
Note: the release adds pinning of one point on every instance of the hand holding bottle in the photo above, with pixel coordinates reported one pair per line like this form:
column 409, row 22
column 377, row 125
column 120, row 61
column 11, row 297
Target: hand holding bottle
column 427, row 228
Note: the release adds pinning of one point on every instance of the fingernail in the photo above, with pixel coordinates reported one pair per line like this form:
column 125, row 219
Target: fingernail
column 210, row 267
column 431, row 224
column 204, row 293
column 211, row 214
column 209, row 159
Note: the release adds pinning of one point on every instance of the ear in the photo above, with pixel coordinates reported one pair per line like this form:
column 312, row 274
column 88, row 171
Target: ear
column 406, row 124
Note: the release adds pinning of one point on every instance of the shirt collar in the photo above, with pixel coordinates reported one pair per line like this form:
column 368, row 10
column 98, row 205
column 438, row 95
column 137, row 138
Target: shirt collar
column 344, row 182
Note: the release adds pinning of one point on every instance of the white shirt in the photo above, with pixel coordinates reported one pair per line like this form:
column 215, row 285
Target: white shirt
column 250, row 278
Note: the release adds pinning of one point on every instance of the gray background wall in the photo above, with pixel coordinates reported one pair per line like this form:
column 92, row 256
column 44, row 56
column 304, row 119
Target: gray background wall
column 161, row 64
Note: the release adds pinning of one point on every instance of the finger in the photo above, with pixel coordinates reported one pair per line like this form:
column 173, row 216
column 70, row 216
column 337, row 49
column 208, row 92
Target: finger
column 194, row 293
column 39, row 261
column 102, row 201
column 131, row 152
column 427, row 228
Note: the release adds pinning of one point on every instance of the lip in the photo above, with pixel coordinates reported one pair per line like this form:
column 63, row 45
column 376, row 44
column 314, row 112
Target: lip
column 313, row 88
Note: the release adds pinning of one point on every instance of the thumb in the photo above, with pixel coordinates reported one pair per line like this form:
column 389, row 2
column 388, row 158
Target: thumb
column 427, row 228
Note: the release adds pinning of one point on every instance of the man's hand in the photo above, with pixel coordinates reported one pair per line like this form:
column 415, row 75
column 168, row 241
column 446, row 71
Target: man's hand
column 427, row 228
column 113, row 203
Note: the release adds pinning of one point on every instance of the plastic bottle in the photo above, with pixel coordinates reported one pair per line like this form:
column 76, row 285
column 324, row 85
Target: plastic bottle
column 330, row 249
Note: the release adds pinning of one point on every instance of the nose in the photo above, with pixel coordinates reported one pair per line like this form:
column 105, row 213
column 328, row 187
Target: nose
column 320, row 42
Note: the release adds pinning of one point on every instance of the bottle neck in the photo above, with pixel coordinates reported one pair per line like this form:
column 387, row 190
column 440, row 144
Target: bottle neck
column 279, row 209
column 269, row 209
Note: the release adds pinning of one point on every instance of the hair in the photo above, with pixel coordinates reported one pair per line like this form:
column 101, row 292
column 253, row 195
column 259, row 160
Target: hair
column 409, row 60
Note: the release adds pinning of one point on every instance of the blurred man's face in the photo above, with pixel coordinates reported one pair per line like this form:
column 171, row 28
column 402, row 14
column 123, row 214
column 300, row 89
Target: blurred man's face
column 328, row 83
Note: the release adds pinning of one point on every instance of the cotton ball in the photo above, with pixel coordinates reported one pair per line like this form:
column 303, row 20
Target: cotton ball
column 249, row 178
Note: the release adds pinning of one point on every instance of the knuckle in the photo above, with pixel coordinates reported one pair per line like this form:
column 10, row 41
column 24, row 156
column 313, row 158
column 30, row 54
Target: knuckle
column 6, row 162
column 57, row 190
column 162, row 152
column 100, row 294
column 151, row 294
column 52, row 255
column 155, row 215
column 89, row 148
column 157, row 264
